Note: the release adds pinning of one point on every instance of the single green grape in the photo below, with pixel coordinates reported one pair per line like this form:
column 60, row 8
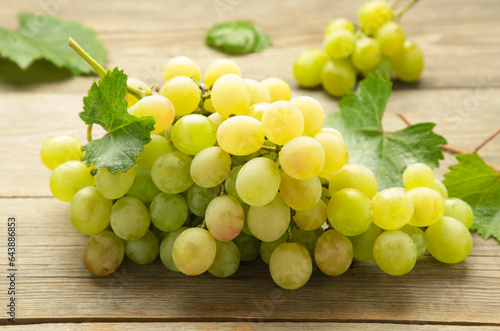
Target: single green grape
column 198, row 198
column 391, row 38
column 354, row 176
column 313, row 218
column 240, row 135
column 290, row 265
column 333, row 253
column 439, row 187
column 59, row 149
column 409, row 65
column 157, row 106
column 171, row 172
column 129, row 218
column 395, row 253
column 230, row 183
column 336, row 153
column 143, row 250
column 152, row 151
column 300, row 195
column 312, row 112
column 210, row 167
column 392, row 208
column 282, row 122
column 224, row 218
column 181, row 66
column 114, row 186
column 68, row 178
column 418, row 237
column 194, row 251
column 350, row 212
column 374, row 14
column 460, row 210
column 362, row 244
column 418, row 175
column 338, row 78
column 267, row 247
column 219, row 68
column 339, row 44
column 193, row 133
column 308, row 67
column 271, row 221
column 103, row 253
column 302, row 158
column 184, row 94
column 258, row 181
column 366, row 54
column 249, row 247
column 428, row 206
column 166, row 246
column 168, row 211
column 278, row 89
column 230, row 95
column 227, row 259
column 89, row 211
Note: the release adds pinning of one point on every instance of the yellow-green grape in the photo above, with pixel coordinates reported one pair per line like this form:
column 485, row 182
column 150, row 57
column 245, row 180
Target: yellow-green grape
column 249, row 247
column 300, row 194
column 129, row 218
column 384, row 67
column 308, row 238
column 258, row 92
column 373, row 14
column 439, row 186
column 143, row 187
column 230, row 183
column 114, row 186
column 103, row 253
column 282, row 122
column 224, row 218
column 290, row 265
column 428, row 206
column 391, row 38
column 143, row 250
column 333, row 131
column 89, row 211
column 338, row 78
column 392, row 208
column 448, row 240
column 152, row 151
column 258, row 181
column 59, row 149
column 339, row 44
column 216, row 119
column 184, row 94
column 194, row 251
column 367, row 54
column 395, row 253
column 409, row 65
column 418, row 237
column 312, row 112
column 270, row 221
column 337, row 24
column 193, row 133
column 311, row 219
column 354, row 176
column 362, row 244
column 240, row 135
column 460, row 210
column 278, row 89
column 308, row 67
column 302, row 158
column 418, row 175
column 157, row 106
column 230, row 95
column 168, row 211
column 208, row 105
column 267, row 247
column 350, row 212
column 131, row 100
column 181, row 66
column 219, row 68
column 68, row 178
column 257, row 110
column 336, row 153
column 227, row 259
column 198, row 199
column 166, row 247
column 333, row 253
column 210, row 167
column 171, row 172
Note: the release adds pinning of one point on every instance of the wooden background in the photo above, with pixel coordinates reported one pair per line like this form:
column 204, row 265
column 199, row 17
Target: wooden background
column 459, row 90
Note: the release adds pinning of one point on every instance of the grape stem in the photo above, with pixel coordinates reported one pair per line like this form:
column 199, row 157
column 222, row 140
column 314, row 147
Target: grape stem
column 89, row 132
column 290, row 237
column 403, row 10
column 222, row 189
column 203, row 224
column 270, row 148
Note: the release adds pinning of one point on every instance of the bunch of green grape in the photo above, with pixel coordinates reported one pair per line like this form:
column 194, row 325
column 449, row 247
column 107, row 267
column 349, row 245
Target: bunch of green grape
column 377, row 44
column 236, row 169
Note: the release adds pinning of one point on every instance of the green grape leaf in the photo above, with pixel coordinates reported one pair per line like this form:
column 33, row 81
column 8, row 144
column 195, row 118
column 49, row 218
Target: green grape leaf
column 126, row 134
column 387, row 154
column 237, row 37
column 473, row 181
column 46, row 37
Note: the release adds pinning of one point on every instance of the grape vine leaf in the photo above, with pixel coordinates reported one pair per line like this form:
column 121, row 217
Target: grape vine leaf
column 126, row 134
column 473, row 181
column 44, row 37
column 387, row 154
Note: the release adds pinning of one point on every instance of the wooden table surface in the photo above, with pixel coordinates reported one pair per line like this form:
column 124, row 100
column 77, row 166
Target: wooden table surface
column 459, row 90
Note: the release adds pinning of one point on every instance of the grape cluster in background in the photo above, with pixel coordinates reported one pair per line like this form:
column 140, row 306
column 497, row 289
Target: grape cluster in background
column 377, row 43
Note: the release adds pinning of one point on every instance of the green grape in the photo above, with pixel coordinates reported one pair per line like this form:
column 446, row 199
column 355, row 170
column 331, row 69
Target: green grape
column 89, row 211
column 227, row 259
column 391, row 38
column 193, row 133
column 418, row 175
column 143, row 250
column 428, row 206
column 308, row 67
column 158, row 107
column 439, row 187
column 366, row 54
column 258, row 181
column 168, row 211
column 166, row 247
column 258, row 92
column 143, row 187
column 354, row 176
column 300, row 194
column 210, row 167
column 350, row 212
column 267, row 247
column 278, row 89
column 59, row 149
column 308, row 238
column 333, row 253
column 68, row 178
column 269, row 222
column 282, row 122
column 209, row 106
column 194, row 251
column 336, row 153
column 302, row 158
column 171, row 172
column 312, row 112
column 448, row 240
column 409, row 64
column 313, row 218
column 246, row 229
column 338, row 78
column 257, row 110
column 338, row 24
column 373, row 14
column 460, row 210
column 184, row 94
column 395, row 253
column 157, row 232
column 384, row 67
column 219, row 68
column 114, row 186
column 290, row 265
column 216, row 119
column 362, row 244
column 418, row 237
column 181, row 66
column 198, row 199
column 152, row 151
column 230, row 183
column 333, row 131
column 249, row 247
column 240, row 135
column 103, row 253
column 224, row 218
column 392, row 208
column 230, row 95
column 339, row 44
column 129, row 218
